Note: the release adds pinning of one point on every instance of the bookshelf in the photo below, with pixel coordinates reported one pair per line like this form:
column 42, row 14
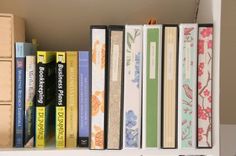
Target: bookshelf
column 76, row 36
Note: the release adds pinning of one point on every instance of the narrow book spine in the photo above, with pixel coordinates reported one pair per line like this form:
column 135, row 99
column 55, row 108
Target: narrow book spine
column 72, row 98
column 40, row 101
column 187, row 83
column 30, row 101
column 169, row 87
column 205, row 88
column 20, row 102
column 60, row 99
column 98, row 104
column 132, row 87
column 151, row 76
column 115, row 87
column 84, row 99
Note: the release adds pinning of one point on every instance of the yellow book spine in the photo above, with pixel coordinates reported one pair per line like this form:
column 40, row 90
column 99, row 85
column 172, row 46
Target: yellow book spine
column 71, row 99
column 40, row 127
column 60, row 127
column 60, row 104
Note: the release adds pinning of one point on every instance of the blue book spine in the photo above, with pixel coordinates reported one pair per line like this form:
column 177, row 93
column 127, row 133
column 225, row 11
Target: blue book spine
column 19, row 103
column 84, row 99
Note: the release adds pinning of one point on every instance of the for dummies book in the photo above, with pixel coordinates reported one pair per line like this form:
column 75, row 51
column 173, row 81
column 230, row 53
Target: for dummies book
column 84, row 98
column 60, row 99
column 71, row 98
column 45, row 97
column 22, row 49
column 30, row 79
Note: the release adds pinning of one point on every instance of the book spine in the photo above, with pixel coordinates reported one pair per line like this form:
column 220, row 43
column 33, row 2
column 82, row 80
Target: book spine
column 20, row 102
column 41, row 73
column 115, row 87
column 98, row 104
column 132, row 87
column 30, row 101
column 151, row 101
column 169, row 87
column 187, row 85
column 71, row 99
column 60, row 99
column 84, row 98
column 205, row 78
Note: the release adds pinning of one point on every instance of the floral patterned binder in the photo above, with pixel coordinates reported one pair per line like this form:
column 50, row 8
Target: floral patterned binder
column 205, row 52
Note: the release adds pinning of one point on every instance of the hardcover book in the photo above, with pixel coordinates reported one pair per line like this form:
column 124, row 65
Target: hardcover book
column 30, row 78
column 84, row 98
column 22, row 49
column 169, row 87
column 60, row 100
column 71, row 98
column 187, row 85
column 152, row 46
column 98, row 102
column 12, row 30
column 132, row 86
column 205, row 52
column 45, row 98
column 115, row 86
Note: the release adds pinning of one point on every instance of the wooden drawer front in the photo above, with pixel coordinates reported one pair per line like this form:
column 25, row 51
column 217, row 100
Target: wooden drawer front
column 6, row 81
column 5, row 37
column 6, row 126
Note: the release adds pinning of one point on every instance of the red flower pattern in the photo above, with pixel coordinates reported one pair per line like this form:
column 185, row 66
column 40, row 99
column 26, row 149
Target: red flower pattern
column 206, row 92
column 201, row 46
column 206, row 32
column 210, row 44
column 209, row 99
column 202, row 113
column 201, row 65
column 200, row 72
column 199, row 85
column 200, row 132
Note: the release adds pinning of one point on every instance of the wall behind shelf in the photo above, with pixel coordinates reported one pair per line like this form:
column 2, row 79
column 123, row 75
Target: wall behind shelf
column 64, row 24
column 228, row 63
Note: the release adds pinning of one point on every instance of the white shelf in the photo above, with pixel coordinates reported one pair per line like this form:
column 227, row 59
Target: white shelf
column 209, row 12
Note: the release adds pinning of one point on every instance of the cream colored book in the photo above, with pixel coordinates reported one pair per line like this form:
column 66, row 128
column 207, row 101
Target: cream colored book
column 169, row 88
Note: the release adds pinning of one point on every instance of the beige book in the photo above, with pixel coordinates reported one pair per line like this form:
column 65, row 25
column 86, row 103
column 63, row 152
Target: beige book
column 169, row 113
column 12, row 29
column 71, row 98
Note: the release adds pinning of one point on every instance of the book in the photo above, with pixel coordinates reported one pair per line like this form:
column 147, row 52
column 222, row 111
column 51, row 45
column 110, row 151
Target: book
column 152, row 46
column 60, row 100
column 205, row 87
column 22, row 49
column 132, row 86
column 187, row 85
column 30, row 78
column 45, row 98
column 84, row 98
column 71, row 98
column 115, row 86
column 98, row 102
column 12, row 30
column 169, row 87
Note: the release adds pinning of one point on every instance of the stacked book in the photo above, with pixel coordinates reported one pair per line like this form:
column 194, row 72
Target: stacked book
column 139, row 86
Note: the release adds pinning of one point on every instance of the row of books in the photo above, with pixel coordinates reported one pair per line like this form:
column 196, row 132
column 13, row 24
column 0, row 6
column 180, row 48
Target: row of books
column 140, row 87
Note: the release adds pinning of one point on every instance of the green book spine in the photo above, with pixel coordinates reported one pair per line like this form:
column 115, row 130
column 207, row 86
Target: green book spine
column 152, row 87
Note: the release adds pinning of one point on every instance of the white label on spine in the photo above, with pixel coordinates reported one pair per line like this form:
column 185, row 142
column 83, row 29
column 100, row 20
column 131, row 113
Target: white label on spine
column 187, row 51
column 152, row 73
column 115, row 62
column 170, row 63
column 132, row 62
